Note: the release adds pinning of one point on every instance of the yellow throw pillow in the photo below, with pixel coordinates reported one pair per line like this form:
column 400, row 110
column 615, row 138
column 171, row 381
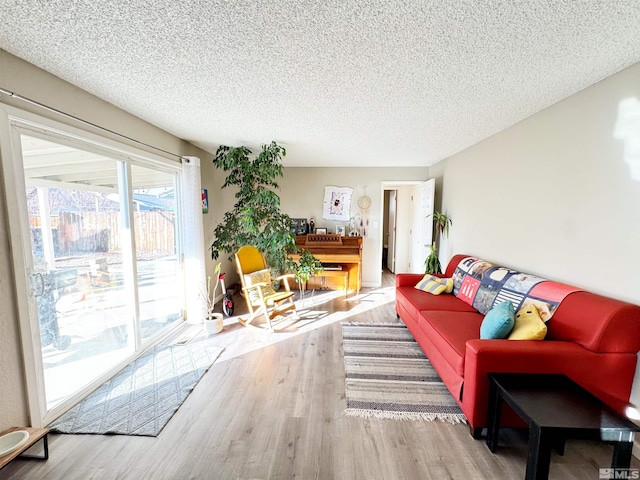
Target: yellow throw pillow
column 449, row 284
column 528, row 325
column 435, row 285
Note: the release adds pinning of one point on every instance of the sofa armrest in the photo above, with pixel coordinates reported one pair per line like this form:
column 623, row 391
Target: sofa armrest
column 410, row 279
column 522, row 351
column 589, row 369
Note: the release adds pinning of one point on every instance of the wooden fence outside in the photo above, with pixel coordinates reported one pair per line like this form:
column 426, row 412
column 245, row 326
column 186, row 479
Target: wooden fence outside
column 100, row 231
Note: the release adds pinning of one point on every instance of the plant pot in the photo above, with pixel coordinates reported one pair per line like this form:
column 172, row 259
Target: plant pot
column 213, row 323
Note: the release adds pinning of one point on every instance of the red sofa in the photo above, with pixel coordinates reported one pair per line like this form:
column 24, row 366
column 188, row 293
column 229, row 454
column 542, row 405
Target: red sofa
column 591, row 338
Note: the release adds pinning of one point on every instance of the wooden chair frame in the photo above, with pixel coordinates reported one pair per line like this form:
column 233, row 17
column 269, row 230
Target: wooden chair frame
column 268, row 306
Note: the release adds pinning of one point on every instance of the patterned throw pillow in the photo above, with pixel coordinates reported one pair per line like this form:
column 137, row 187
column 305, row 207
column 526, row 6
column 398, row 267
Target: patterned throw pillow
column 528, row 325
column 261, row 276
column 435, row 285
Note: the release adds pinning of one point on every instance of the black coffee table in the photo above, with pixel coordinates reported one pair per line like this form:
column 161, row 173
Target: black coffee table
column 556, row 408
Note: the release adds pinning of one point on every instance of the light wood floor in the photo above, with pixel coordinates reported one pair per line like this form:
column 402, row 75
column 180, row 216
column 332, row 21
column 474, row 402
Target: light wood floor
column 271, row 408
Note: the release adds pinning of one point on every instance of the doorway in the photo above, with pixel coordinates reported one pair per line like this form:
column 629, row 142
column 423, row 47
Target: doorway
column 406, row 236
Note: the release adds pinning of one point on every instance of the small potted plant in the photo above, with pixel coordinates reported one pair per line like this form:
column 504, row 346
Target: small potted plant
column 212, row 320
column 305, row 267
column 442, row 222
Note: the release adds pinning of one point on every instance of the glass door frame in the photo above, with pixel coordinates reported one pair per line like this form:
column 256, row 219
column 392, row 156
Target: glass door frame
column 13, row 123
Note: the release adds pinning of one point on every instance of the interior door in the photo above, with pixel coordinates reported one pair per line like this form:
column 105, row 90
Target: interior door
column 391, row 241
column 421, row 224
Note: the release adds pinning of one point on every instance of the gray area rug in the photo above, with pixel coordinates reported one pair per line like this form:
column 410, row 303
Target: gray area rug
column 388, row 376
column 141, row 398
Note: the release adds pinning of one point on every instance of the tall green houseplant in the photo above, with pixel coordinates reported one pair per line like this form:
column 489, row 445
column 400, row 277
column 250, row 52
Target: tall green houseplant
column 256, row 218
column 441, row 223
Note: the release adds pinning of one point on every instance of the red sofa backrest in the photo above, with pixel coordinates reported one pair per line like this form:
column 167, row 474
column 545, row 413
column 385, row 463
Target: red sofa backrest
column 453, row 263
column 598, row 323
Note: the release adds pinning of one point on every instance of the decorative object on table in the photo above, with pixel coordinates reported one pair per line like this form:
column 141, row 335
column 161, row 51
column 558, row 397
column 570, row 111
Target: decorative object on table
column 364, row 203
column 205, row 201
column 312, row 225
column 336, row 205
column 212, row 321
column 340, row 230
column 321, row 231
column 442, row 222
column 388, row 376
column 299, row 226
column 354, row 226
column 143, row 397
column 256, row 218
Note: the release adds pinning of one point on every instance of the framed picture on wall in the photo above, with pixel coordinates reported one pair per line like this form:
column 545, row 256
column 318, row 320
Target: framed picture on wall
column 340, row 230
column 205, row 201
column 321, row 230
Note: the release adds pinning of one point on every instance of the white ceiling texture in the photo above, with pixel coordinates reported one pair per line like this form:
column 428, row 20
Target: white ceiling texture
column 337, row 82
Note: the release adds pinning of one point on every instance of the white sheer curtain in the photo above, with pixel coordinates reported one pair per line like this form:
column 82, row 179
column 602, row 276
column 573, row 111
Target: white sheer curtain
column 193, row 240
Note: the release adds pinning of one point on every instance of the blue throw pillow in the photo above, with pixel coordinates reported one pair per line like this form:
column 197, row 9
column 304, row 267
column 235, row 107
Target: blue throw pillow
column 498, row 322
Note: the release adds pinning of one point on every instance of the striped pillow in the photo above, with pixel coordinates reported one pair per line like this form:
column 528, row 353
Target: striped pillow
column 435, row 285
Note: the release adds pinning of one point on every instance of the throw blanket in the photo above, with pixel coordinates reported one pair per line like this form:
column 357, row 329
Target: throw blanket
column 484, row 285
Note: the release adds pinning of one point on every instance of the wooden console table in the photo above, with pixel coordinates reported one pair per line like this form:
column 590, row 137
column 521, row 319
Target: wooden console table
column 35, row 434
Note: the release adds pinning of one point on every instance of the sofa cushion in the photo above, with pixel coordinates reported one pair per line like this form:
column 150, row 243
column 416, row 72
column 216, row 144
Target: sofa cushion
column 498, row 322
column 528, row 325
column 415, row 300
column 449, row 332
column 435, row 285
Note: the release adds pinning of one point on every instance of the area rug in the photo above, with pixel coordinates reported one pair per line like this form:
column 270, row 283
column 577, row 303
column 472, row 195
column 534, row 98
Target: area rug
column 141, row 398
column 388, row 376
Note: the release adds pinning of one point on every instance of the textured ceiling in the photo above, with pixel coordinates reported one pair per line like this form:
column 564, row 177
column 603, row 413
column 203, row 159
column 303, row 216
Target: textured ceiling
column 337, row 82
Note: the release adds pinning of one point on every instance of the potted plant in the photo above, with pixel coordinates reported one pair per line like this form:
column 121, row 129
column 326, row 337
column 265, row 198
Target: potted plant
column 255, row 219
column 441, row 222
column 306, row 266
column 212, row 321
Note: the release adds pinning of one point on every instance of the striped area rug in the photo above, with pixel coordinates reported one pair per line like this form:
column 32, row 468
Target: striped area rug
column 388, row 376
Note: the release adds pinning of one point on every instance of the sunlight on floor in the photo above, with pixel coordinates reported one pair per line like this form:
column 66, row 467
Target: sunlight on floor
column 316, row 310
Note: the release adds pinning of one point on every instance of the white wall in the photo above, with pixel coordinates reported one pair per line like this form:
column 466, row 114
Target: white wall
column 23, row 78
column 553, row 195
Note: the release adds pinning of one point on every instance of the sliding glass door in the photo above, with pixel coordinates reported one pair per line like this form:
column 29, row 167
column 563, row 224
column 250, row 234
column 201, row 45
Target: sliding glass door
column 158, row 269
column 77, row 275
column 101, row 260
